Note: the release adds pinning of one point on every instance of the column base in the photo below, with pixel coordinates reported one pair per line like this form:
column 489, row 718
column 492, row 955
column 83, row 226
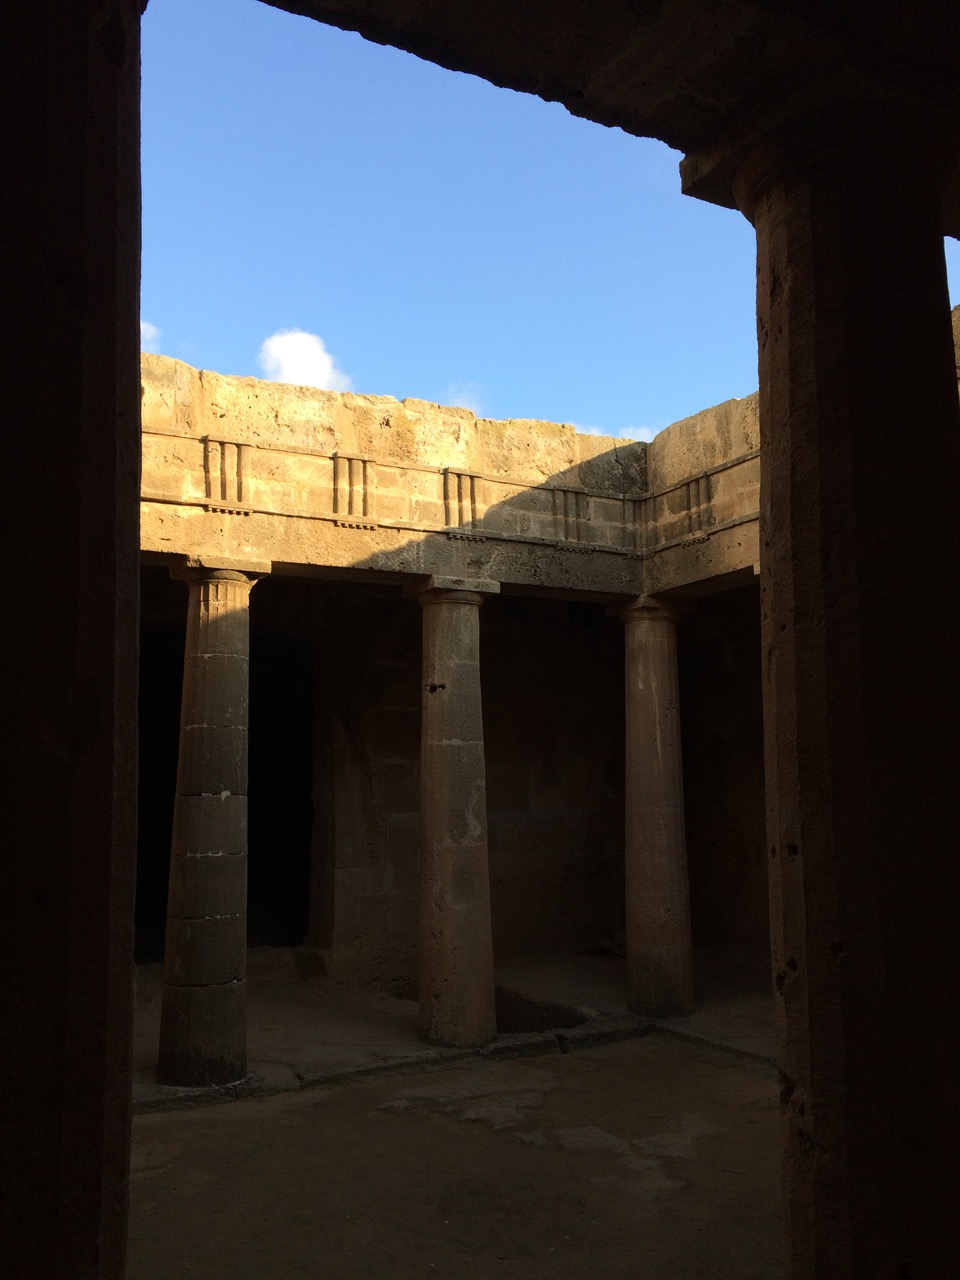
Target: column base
column 203, row 1035
column 471, row 1030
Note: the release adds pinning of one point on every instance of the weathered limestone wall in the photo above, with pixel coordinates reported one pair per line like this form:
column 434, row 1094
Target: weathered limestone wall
column 234, row 467
column 704, row 497
column 181, row 401
column 241, row 470
column 705, row 442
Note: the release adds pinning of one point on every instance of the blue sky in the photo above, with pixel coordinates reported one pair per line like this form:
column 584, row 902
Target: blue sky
column 427, row 234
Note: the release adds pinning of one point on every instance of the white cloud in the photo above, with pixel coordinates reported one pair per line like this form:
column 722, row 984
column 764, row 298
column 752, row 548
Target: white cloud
column 637, row 433
column 292, row 355
column 149, row 336
column 624, row 433
column 464, row 395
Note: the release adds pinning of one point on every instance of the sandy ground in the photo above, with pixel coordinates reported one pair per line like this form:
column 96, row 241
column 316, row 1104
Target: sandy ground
column 650, row 1159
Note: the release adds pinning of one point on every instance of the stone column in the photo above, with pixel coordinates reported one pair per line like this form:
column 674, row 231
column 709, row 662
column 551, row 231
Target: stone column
column 659, row 948
column 68, row 750
column 860, row 549
column 203, row 1031
column 456, row 943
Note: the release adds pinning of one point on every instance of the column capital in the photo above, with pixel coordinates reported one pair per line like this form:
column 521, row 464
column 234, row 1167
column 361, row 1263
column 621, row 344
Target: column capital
column 651, row 608
column 739, row 166
column 224, row 568
column 194, row 574
column 439, row 589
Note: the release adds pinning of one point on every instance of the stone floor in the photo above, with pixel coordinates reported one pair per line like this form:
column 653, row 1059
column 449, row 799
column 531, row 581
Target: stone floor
column 307, row 1031
column 648, row 1159
column 648, row 1152
column 734, row 1004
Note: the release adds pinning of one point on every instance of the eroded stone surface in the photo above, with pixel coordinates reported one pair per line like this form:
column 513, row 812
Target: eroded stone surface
column 239, row 469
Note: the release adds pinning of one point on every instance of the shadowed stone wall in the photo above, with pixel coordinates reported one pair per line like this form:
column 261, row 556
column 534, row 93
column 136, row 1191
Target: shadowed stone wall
column 334, row 780
column 553, row 721
column 552, row 709
column 722, row 711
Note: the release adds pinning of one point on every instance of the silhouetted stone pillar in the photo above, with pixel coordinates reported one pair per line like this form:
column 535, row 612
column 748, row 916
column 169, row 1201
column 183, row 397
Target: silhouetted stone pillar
column 456, row 943
column 860, row 548
column 203, row 1028
column 659, row 949
column 68, row 750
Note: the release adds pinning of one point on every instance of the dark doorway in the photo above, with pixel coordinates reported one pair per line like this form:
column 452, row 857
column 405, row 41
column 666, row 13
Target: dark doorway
column 722, row 723
column 162, row 632
column 280, row 816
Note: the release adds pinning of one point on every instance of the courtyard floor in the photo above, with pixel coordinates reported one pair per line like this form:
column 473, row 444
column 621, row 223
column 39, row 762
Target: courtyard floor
column 647, row 1159
column 609, row 1150
column 306, row 1031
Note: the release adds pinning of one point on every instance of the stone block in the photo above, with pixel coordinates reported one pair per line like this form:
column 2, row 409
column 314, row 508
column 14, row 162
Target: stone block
column 210, row 824
column 429, row 512
column 203, row 1035
column 213, row 761
column 217, row 684
column 205, row 952
column 208, row 886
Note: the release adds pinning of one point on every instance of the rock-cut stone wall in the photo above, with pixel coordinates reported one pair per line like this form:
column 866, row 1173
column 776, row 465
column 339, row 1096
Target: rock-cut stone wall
column 235, row 469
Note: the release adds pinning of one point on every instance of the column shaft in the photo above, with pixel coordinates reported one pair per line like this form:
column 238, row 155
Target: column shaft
column 456, row 944
column 68, row 752
column 203, row 1021
column 860, row 547
column 659, row 952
